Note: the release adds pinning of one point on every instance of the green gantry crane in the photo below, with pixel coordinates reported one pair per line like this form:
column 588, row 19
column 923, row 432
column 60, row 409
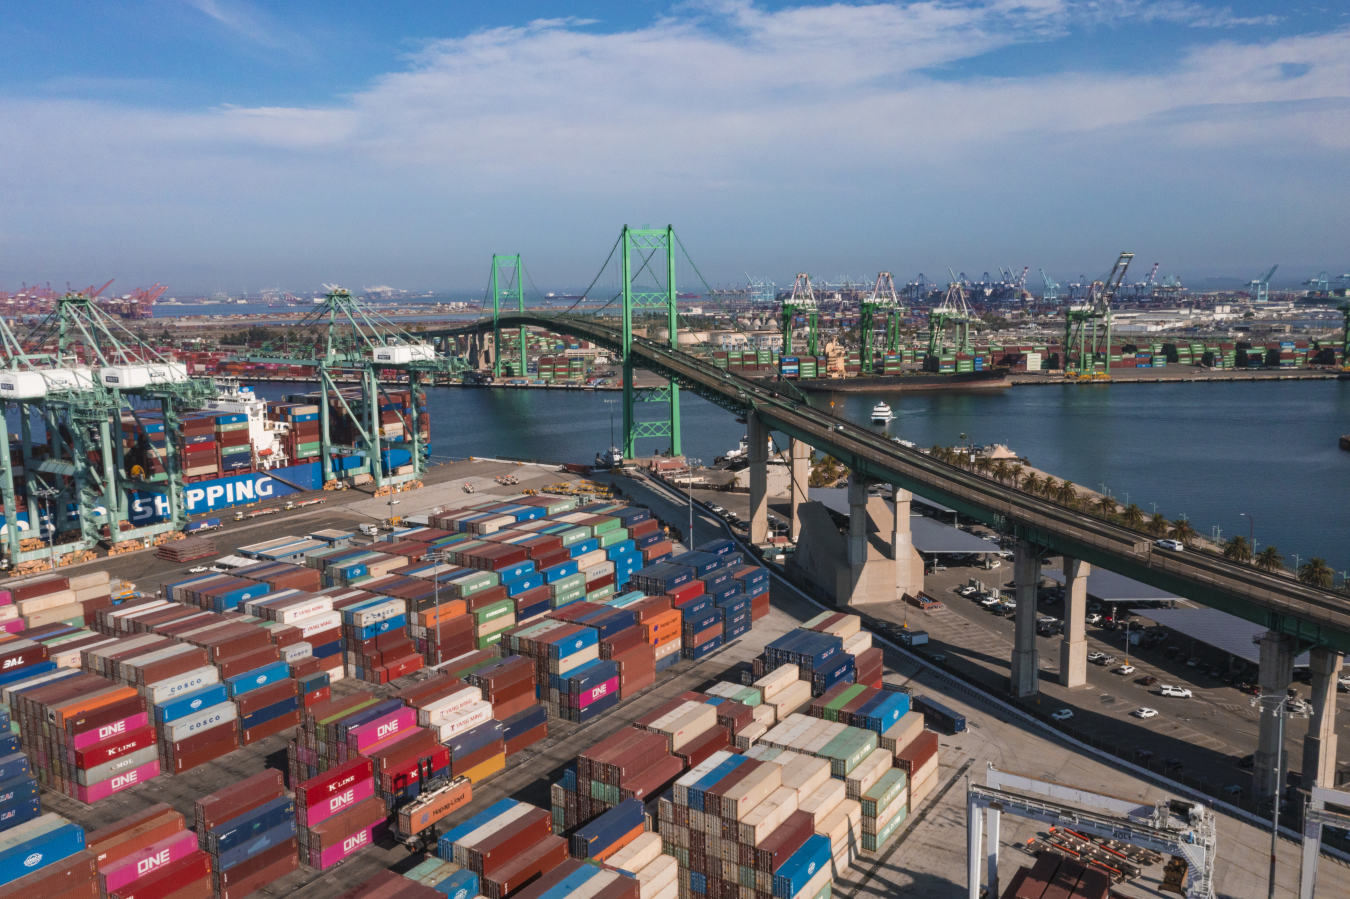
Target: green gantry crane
column 952, row 311
column 79, row 373
column 1087, row 327
column 884, row 300
column 802, row 302
column 342, row 335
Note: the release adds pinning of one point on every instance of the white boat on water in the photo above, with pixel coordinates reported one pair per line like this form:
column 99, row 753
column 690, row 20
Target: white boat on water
column 610, row 458
column 881, row 413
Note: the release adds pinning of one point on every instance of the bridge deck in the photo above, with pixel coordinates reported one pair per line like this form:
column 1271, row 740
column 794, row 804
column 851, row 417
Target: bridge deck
column 1273, row 601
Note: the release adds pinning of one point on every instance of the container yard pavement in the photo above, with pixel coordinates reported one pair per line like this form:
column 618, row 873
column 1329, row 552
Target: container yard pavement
column 927, row 859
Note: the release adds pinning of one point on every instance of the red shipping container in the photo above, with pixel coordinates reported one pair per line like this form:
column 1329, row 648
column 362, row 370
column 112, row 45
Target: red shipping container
column 686, row 592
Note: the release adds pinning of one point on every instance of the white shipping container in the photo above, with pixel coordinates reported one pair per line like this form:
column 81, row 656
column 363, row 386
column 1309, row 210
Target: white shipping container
column 469, row 717
column 293, row 613
column 442, row 710
column 203, row 720
column 180, row 684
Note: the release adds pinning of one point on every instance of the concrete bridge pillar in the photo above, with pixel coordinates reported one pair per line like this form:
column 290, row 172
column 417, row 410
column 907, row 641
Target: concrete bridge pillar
column 1277, row 670
column 857, row 521
column 1025, row 660
column 1073, row 648
column 1319, row 746
column 908, row 562
column 757, row 441
column 799, row 472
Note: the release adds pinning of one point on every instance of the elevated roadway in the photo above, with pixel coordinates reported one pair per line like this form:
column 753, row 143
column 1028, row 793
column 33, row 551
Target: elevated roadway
column 1280, row 604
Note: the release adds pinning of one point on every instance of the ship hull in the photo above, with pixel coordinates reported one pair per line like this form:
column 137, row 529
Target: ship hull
column 918, row 381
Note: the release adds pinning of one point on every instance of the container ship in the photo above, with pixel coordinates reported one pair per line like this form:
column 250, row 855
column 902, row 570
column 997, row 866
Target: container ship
column 236, row 449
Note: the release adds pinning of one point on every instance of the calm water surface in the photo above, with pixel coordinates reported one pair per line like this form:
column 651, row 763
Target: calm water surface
column 1206, row 451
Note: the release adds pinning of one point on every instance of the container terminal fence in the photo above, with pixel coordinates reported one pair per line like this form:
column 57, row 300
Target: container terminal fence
column 1256, row 813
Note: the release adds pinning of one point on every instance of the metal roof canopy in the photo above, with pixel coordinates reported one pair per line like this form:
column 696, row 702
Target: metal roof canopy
column 929, row 535
column 932, row 536
column 1108, row 586
column 1219, row 630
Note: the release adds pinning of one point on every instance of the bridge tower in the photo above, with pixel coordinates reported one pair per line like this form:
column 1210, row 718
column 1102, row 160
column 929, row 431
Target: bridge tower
column 1087, row 327
column 507, row 282
column 803, row 300
column 643, row 250
column 1345, row 335
column 883, row 299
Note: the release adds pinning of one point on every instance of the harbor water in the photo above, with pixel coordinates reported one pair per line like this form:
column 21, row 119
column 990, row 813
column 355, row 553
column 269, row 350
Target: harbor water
column 1207, row 451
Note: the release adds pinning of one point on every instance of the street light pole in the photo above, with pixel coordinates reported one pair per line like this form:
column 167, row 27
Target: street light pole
column 689, row 482
column 437, row 558
column 1251, row 529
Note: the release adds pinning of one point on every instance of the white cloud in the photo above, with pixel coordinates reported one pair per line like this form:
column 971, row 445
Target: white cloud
column 719, row 110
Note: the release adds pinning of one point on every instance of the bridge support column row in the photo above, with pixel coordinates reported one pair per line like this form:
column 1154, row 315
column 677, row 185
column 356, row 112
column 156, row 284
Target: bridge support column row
column 908, row 563
column 1319, row 746
column 1277, row 670
column 799, row 471
column 1025, row 659
column 757, row 442
column 857, row 521
column 1073, row 649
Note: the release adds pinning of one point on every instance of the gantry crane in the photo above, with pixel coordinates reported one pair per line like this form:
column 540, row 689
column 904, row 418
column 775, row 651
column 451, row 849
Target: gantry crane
column 953, row 310
column 1051, row 294
column 1259, row 289
column 1087, row 327
column 342, row 335
column 883, row 299
column 1319, row 286
column 81, row 374
column 802, row 302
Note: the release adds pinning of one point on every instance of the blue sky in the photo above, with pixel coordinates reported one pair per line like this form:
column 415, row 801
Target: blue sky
column 215, row 143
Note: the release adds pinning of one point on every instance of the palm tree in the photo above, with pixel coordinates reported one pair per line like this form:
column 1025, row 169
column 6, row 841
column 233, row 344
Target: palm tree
column 982, row 465
column 1031, row 483
column 1317, row 573
column 1157, row 525
column 1015, row 472
column 1133, row 517
column 938, row 452
column 1000, row 471
column 1068, row 494
column 1269, row 559
column 1050, row 488
column 1238, row 549
column 1182, row 530
column 1106, row 506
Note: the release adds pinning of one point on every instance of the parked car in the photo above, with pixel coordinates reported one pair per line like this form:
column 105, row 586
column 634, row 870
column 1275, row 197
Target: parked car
column 969, row 591
column 1096, row 657
column 1174, row 692
column 1143, row 754
column 1142, row 712
column 1173, row 765
column 1147, row 680
column 1062, row 715
column 1247, row 761
column 1125, row 669
column 1233, row 790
